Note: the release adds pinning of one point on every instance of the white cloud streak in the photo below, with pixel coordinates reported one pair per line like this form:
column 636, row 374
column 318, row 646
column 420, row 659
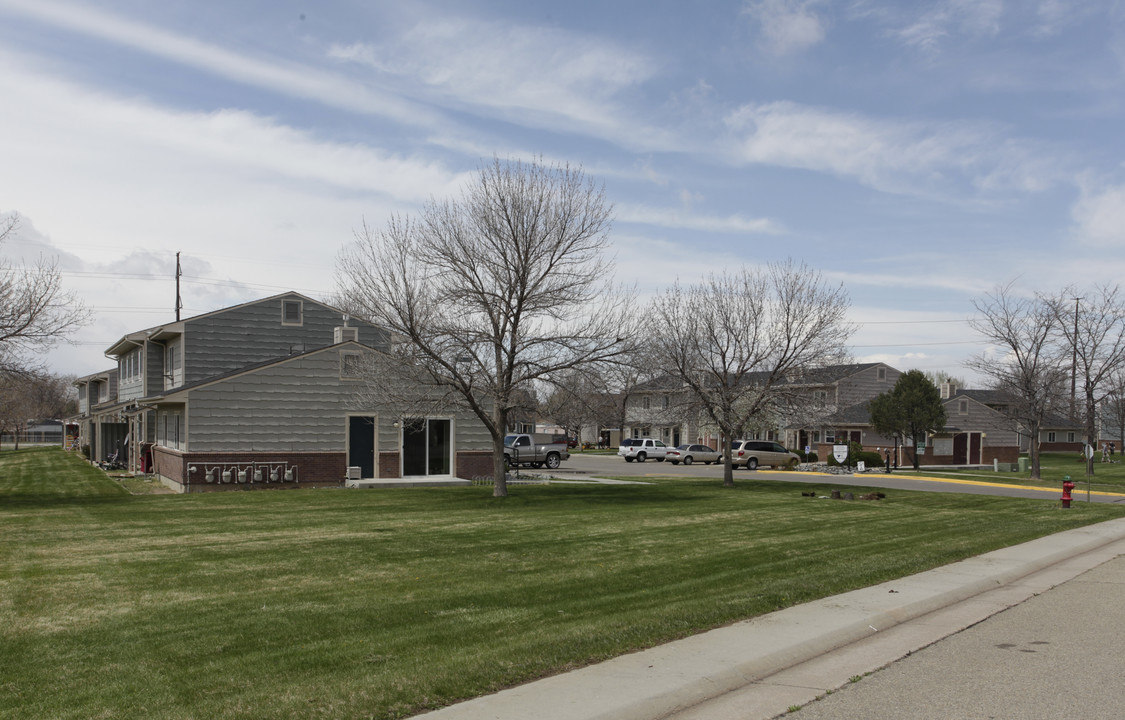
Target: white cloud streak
column 892, row 156
column 787, row 26
column 671, row 218
column 287, row 79
column 524, row 74
column 1099, row 214
column 975, row 18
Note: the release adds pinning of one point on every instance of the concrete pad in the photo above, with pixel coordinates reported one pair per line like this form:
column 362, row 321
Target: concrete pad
column 410, row 482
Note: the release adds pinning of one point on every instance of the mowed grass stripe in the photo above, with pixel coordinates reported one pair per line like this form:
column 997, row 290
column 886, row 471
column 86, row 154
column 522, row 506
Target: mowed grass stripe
column 355, row 604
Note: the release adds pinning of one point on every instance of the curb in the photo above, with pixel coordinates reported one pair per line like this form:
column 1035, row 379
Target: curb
column 668, row 678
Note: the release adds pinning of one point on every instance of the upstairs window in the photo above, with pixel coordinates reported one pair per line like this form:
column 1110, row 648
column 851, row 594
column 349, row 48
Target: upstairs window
column 350, row 365
column 292, row 312
column 963, row 407
column 130, row 366
column 881, row 373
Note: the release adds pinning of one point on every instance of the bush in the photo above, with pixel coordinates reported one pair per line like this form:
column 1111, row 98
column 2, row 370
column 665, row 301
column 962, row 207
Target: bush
column 809, row 457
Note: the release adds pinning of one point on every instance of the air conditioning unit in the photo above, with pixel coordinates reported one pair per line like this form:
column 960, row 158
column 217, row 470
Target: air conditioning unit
column 355, row 472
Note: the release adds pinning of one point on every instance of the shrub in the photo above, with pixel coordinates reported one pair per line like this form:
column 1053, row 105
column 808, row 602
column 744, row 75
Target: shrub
column 809, row 457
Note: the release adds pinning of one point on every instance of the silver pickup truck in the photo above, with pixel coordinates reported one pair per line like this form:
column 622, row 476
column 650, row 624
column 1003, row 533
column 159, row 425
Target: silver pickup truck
column 523, row 450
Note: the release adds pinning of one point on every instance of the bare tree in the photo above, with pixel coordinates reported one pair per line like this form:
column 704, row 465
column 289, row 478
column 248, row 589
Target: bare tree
column 621, row 380
column 1029, row 368
column 573, row 402
column 735, row 338
column 1112, row 407
column 496, row 291
column 35, row 312
column 27, row 396
column 1093, row 328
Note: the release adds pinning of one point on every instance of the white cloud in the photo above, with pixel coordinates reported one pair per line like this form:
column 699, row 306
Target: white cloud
column 256, row 206
column 686, row 220
column 88, row 127
column 522, row 73
column 975, row 18
column 1100, row 216
column 288, row 79
column 894, row 156
column 788, row 26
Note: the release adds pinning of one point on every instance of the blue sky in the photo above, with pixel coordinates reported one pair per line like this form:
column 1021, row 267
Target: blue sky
column 919, row 153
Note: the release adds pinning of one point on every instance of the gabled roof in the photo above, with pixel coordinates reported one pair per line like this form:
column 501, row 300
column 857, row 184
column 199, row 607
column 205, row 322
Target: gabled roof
column 103, row 375
column 990, row 398
column 831, row 373
column 171, row 394
column 987, row 397
column 176, row 327
column 858, row 414
column 818, row 376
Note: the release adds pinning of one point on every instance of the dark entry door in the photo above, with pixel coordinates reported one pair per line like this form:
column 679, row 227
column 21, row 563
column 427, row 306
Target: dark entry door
column 414, row 447
column 361, row 444
column 960, row 449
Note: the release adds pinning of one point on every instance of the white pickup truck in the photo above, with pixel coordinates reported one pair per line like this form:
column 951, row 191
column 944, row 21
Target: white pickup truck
column 641, row 449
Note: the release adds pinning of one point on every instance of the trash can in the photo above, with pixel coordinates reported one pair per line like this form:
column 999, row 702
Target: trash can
column 1025, row 464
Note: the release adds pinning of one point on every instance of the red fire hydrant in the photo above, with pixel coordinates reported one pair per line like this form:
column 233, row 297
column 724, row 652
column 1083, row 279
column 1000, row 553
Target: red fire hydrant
column 1067, row 487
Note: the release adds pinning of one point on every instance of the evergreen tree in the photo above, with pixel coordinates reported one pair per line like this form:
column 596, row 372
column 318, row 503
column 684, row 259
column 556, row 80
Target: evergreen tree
column 909, row 410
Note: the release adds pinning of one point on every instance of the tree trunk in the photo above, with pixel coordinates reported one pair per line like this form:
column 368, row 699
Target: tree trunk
column 1033, row 451
column 499, row 472
column 728, row 467
column 1091, row 431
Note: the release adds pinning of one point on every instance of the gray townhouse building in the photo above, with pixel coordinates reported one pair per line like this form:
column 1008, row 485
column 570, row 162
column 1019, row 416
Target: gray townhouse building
column 663, row 408
column 265, row 394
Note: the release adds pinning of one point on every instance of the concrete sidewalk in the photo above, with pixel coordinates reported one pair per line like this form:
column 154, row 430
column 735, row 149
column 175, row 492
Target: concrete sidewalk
column 761, row 667
column 1055, row 656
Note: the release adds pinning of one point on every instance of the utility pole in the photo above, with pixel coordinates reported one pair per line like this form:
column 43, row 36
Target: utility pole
column 180, row 303
column 1074, row 362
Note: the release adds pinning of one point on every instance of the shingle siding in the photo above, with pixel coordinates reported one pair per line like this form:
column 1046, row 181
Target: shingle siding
column 225, row 341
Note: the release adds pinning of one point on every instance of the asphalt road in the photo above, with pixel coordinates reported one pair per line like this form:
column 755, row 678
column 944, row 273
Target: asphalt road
column 581, row 464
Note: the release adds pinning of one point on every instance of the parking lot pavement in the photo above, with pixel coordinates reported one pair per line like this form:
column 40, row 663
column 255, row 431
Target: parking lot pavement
column 611, row 465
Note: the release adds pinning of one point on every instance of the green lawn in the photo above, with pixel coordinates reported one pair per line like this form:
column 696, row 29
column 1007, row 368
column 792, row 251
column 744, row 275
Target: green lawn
column 378, row 604
column 1108, row 477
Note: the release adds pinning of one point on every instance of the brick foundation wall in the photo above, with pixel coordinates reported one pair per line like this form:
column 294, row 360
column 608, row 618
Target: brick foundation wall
column 388, row 464
column 473, row 463
column 168, row 464
column 310, row 469
column 1074, row 447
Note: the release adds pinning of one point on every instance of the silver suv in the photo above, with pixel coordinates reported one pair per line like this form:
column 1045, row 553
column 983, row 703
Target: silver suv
column 752, row 453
